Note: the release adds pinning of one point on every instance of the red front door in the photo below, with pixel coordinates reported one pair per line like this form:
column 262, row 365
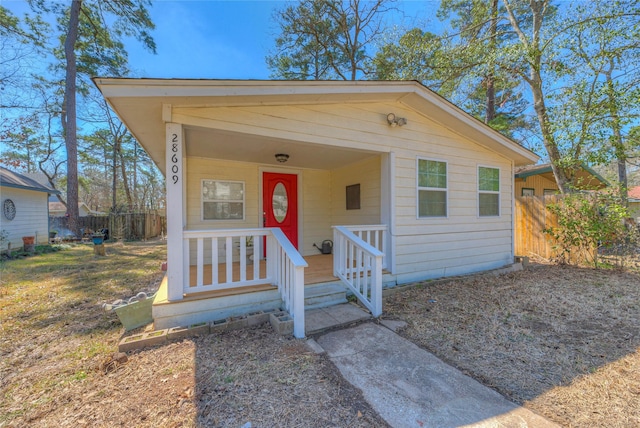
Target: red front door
column 280, row 203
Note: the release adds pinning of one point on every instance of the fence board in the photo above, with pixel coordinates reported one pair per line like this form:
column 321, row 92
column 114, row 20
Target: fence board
column 532, row 217
column 125, row 226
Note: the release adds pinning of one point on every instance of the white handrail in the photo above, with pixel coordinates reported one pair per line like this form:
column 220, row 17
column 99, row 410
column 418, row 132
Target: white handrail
column 359, row 265
column 374, row 235
column 285, row 265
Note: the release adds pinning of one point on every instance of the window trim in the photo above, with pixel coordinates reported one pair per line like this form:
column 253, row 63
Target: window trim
column 492, row 192
column 202, row 200
column 439, row 189
column 533, row 191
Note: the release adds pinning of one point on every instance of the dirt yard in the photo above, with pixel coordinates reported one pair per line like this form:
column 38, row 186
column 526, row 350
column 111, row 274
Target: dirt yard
column 564, row 341
column 57, row 369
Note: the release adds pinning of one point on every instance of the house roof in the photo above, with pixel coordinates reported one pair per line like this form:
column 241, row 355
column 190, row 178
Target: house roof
column 18, row 181
column 634, row 193
column 585, row 175
column 144, row 105
column 59, row 207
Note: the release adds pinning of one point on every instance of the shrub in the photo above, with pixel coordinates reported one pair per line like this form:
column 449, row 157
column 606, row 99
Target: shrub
column 590, row 224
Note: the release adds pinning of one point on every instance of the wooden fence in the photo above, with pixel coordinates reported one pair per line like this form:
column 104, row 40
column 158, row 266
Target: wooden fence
column 531, row 218
column 123, row 226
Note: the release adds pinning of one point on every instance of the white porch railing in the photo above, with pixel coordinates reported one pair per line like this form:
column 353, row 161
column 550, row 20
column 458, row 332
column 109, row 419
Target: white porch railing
column 286, row 266
column 359, row 265
column 374, row 235
column 221, row 248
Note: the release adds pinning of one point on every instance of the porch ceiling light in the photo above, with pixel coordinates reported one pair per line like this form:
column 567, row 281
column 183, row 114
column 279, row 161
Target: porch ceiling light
column 282, row 157
column 396, row 121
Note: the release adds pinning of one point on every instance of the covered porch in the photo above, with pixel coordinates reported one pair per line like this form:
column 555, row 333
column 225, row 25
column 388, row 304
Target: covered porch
column 244, row 280
column 245, row 210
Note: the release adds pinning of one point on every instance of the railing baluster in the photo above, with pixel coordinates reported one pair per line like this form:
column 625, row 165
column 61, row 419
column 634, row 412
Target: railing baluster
column 256, row 256
column 214, row 261
column 360, row 264
column 243, row 258
column 229, row 259
column 199, row 261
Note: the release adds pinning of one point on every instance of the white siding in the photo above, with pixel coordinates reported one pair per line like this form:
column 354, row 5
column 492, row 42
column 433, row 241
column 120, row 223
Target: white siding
column 316, row 210
column 32, row 218
column 367, row 174
column 425, row 247
column 314, row 202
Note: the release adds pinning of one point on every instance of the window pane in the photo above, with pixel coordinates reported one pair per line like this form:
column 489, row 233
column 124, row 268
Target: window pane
column 222, row 190
column 432, row 203
column 222, row 210
column 280, row 202
column 432, row 174
column 489, row 179
column 489, row 204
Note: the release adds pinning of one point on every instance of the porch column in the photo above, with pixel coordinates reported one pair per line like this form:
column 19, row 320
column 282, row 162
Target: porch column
column 175, row 210
column 388, row 204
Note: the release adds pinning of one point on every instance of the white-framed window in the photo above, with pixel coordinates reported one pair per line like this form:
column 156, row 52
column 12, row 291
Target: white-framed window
column 432, row 188
column 222, row 200
column 488, row 191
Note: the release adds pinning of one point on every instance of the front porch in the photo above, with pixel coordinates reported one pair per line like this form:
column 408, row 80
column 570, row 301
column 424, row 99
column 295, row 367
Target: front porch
column 318, row 271
column 241, row 283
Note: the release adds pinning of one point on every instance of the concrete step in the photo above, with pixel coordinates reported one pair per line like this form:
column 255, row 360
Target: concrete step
column 328, row 318
column 324, row 295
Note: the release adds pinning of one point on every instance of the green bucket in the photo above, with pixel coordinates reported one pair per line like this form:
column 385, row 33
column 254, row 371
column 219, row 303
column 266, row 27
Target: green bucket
column 136, row 314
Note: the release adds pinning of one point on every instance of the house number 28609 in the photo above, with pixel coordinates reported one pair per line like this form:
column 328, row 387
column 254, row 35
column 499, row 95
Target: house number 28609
column 174, row 158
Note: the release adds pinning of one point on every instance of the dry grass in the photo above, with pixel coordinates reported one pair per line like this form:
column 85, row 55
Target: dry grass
column 57, row 344
column 564, row 341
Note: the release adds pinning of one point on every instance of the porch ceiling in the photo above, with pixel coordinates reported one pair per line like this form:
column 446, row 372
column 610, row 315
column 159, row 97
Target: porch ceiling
column 234, row 146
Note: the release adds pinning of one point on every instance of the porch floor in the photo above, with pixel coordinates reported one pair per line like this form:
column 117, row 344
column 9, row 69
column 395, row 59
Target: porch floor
column 320, row 270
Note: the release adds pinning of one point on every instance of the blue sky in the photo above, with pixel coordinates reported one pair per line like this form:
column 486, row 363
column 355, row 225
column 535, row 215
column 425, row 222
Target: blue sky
column 221, row 39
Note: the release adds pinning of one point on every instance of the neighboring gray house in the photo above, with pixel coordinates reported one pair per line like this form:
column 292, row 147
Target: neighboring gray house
column 25, row 208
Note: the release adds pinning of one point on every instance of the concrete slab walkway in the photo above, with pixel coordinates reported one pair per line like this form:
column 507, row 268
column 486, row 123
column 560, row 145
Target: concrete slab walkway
column 409, row 387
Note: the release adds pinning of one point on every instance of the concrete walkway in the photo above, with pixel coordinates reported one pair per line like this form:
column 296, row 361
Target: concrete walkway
column 410, row 387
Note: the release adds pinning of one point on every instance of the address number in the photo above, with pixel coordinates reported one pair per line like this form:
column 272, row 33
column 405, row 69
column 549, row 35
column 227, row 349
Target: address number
column 174, row 158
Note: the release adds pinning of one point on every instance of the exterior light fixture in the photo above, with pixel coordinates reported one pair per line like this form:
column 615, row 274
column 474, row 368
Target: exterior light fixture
column 282, row 157
column 393, row 121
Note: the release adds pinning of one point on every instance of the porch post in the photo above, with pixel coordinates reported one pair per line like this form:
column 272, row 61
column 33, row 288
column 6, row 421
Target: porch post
column 388, row 203
column 175, row 211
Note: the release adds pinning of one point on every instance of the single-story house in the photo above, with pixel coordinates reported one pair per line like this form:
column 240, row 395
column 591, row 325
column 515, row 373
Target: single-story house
column 538, row 180
column 25, row 209
column 634, row 203
column 279, row 184
column 58, row 209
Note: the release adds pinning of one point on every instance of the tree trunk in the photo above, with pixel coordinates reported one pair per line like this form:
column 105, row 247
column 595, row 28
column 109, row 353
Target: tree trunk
column 490, row 106
column 534, row 80
column 618, row 143
column 114, row 178
column 69, row 117
column 134, row 184
column 547, row 136
column 125, row 180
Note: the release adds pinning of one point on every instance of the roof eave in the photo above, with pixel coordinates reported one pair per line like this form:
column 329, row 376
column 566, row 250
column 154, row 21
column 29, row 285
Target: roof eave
column 272, row 92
